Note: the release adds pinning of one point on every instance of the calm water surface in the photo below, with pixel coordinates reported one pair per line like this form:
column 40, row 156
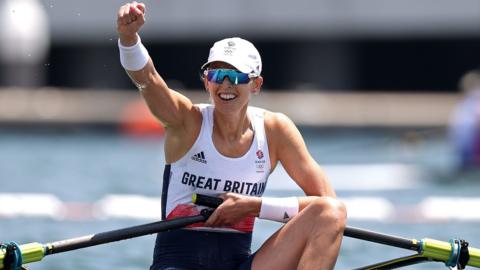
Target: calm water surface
column 85, row 167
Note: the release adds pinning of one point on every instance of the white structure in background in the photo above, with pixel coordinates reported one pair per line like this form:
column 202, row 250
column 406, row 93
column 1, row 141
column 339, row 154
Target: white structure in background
column 25, row 43
column 139, row 207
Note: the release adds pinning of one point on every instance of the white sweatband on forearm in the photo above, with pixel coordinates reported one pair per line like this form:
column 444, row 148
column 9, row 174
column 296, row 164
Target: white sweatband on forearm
column 135, row 57
column 278, row 209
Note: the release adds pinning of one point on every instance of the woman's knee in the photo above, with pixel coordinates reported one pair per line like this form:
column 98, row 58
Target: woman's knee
column 328, row 211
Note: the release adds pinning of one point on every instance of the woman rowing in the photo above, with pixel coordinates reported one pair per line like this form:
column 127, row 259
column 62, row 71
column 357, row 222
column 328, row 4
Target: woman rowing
column 229, row 149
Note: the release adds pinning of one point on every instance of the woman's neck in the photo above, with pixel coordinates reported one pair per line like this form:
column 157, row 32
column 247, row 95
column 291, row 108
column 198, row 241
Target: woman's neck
column 231, row 126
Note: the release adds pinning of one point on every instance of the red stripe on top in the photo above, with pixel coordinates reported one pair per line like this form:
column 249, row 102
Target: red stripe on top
column 185, row 210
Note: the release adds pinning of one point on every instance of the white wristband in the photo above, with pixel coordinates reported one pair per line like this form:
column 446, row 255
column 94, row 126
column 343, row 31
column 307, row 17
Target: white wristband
column 135, row 57
column 278, row 209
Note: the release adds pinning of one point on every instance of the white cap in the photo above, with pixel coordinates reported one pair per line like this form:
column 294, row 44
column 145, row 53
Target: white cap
column 237, row 52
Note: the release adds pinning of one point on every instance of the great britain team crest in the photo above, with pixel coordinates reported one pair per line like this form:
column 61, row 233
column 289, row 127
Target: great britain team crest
column 260, row 163
column 260, row 154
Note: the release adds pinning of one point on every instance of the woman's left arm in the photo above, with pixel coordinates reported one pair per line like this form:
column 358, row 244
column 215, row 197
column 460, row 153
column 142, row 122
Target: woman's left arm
column 288, row 146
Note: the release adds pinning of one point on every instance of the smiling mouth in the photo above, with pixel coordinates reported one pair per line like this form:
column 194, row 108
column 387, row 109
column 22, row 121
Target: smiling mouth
column 227, row 96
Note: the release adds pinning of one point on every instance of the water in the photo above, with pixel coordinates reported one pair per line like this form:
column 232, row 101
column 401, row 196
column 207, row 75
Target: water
column 85, row 167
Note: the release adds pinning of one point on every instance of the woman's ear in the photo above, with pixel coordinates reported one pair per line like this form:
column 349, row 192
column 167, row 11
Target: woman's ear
column 205, row 83
column 256, row 85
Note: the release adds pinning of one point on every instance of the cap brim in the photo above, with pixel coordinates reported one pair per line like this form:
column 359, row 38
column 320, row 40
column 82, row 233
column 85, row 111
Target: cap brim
column 240, row 66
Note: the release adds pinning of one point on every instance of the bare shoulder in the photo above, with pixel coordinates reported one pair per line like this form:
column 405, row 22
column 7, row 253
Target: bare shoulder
column 278, row 124
column 180, row 138
column 194, row 118
column 282, row 134
column 191, row 122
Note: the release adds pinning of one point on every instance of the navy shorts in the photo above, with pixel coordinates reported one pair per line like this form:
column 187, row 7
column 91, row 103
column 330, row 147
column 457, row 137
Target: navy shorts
column 194, row 250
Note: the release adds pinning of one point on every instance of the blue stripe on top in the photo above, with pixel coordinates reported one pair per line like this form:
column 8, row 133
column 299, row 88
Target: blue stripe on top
column 166, row 182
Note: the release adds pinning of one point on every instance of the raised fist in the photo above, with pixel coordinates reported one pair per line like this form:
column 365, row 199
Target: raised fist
column 130, row 19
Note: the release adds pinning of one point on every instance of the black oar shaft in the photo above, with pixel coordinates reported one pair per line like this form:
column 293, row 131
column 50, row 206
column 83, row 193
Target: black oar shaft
column 353, row 232
column 396, row 263
column 121, row 234
column 381, row 238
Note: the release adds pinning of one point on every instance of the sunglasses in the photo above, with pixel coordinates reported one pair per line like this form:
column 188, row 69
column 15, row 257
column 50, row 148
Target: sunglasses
column 235, row 77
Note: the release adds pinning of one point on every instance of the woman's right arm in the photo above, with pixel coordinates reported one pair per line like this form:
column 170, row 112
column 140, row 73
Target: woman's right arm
column 169, row 106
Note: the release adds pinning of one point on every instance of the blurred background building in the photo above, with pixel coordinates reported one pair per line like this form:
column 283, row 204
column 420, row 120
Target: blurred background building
column 349, row 63
column 370, row 45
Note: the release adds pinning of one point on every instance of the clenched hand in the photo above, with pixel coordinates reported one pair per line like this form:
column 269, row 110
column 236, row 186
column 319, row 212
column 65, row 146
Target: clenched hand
column 130, row 19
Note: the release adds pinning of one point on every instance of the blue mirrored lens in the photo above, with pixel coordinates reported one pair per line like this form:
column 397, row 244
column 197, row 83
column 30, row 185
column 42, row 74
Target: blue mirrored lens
column 235, row 77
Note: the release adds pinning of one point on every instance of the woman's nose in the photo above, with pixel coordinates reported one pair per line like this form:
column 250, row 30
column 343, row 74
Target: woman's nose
column 226, row 81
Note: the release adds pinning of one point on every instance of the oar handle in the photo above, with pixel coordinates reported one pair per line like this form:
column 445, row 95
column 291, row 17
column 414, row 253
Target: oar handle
column 206, row 200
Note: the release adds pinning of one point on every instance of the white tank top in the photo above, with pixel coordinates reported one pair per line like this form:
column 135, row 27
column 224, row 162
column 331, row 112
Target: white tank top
column 204, row 170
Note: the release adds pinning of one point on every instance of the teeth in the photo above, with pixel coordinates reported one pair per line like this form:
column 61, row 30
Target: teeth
column 227, row 96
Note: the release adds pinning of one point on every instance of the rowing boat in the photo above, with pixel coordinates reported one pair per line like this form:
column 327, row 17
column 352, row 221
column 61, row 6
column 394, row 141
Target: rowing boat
column 455, row 253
